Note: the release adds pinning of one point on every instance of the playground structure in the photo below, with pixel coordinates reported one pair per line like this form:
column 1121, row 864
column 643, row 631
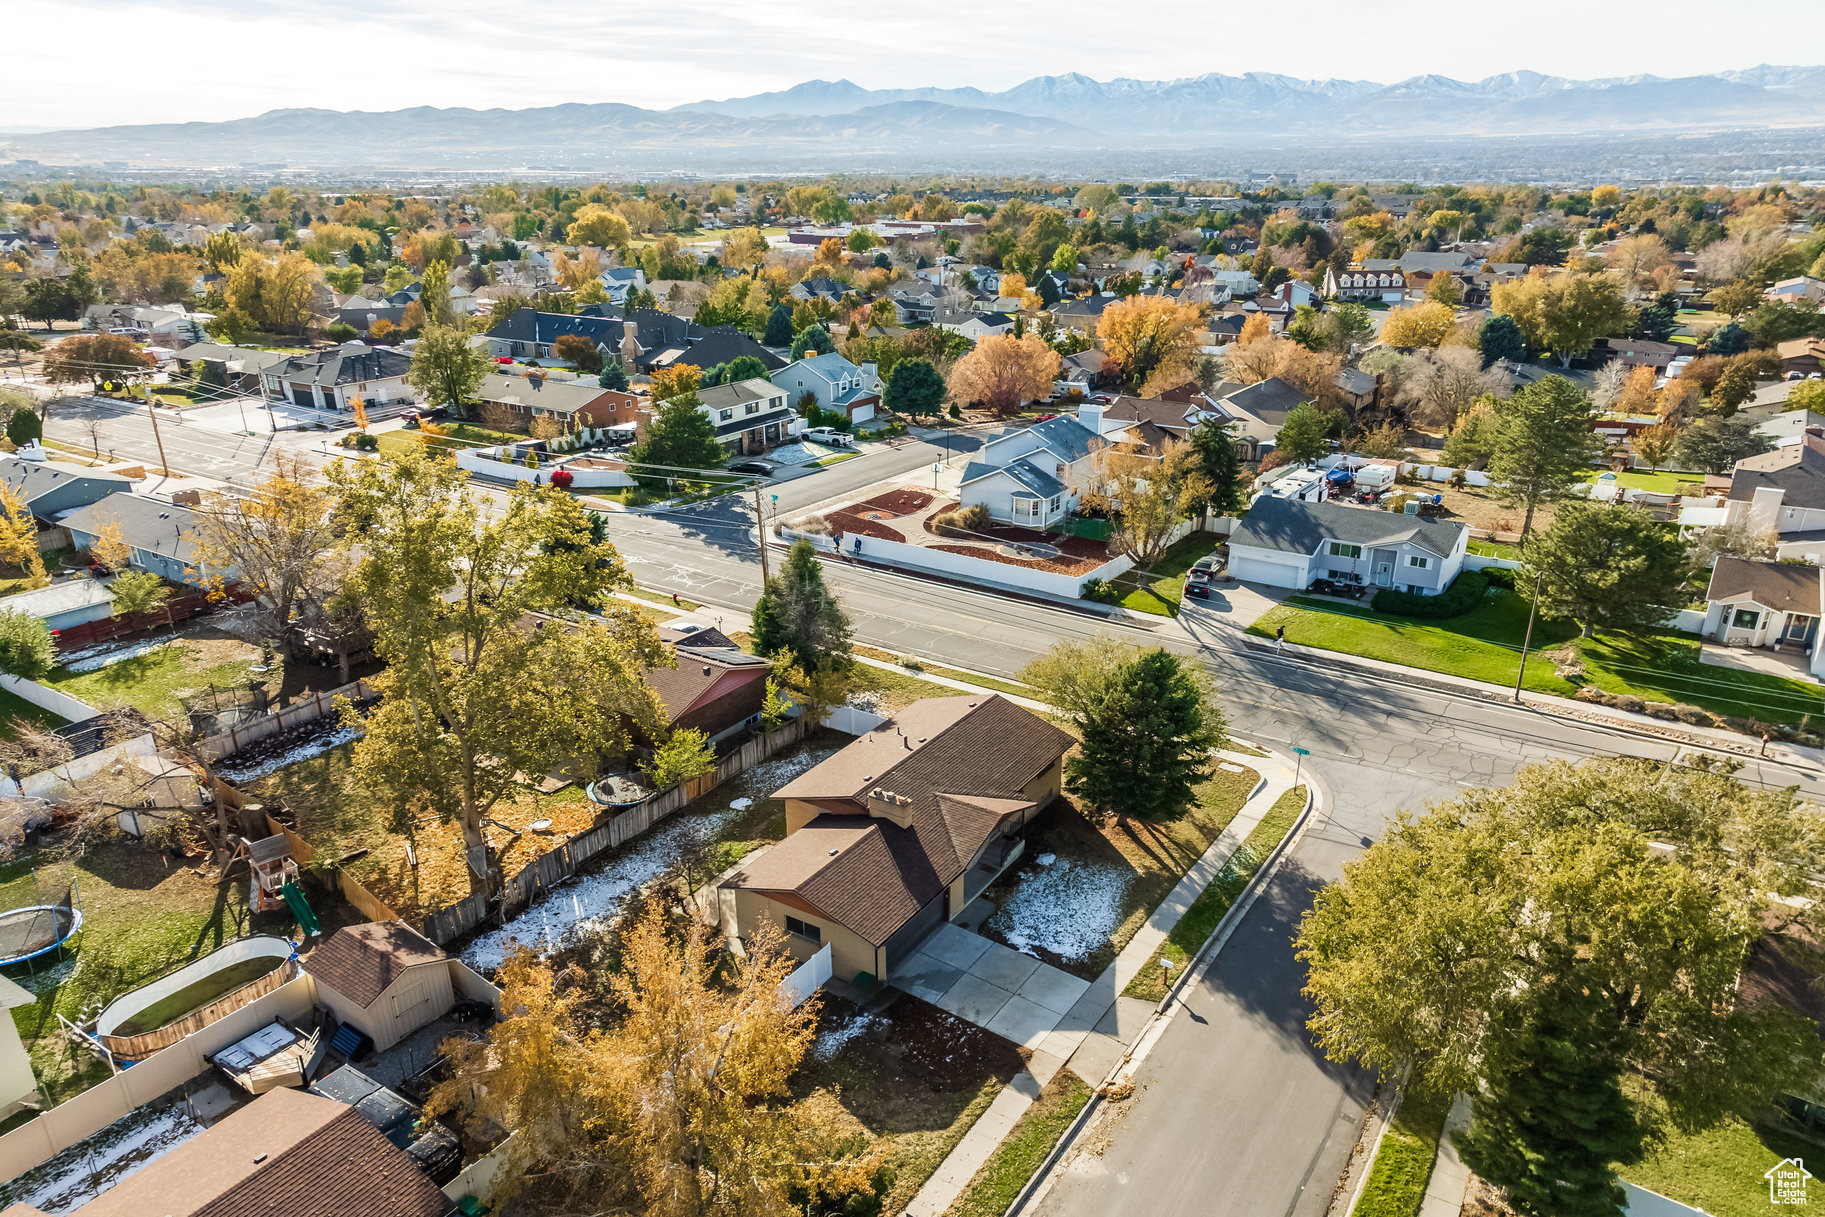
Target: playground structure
column 270, row 867
column 32, row 932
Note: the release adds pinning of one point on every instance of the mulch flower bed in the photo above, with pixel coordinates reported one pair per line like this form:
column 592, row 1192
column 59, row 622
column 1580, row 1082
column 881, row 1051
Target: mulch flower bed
column 1063, row 565
column 899, row 502
column 853, row 525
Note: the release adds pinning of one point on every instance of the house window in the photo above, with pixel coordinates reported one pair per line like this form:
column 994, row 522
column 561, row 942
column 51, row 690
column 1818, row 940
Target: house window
column 1746, row 619
column 1419, row 563
column 1026, row 509
column 1053, row 503
column 753, row 407
column 725, row 416
column 1340, row 550
column 804, row 929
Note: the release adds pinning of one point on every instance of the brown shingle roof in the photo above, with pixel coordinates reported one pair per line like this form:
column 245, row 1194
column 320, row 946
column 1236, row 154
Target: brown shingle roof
column 1774, row 585
column 1798, row 470
column 360, row 961
column 967, row 767
column 702, row 675
column 287, row 1153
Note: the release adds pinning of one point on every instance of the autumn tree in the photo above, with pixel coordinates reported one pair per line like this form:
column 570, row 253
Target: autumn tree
column 579, row 350
column 678, row 1106
column 1144, row 497
column 1435, row 386
column 1655, row 444
column 1255, row 329
column 597, row 225
column 445, row 369
column 1145, row 334
column 1426, row 324
column 19, row 535
column 1545, row 446
column 1445, row 289
column 744, row 249
column 475, row 692
column 1564, row 313
column 1003, row 373
column 434, row 294
column 92, row 359
column 1588, row 920
column 268, row 541
column 274, row 294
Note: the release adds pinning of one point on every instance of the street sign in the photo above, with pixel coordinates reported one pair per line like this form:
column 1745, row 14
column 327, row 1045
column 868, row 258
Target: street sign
column 1303, row 751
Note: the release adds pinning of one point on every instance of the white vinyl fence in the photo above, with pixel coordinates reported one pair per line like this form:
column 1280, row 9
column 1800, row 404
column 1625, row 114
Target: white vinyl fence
column 808, row 977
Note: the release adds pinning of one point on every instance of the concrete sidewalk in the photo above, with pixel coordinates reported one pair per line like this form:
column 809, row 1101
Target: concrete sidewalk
column 1102, row 1024
column 1450, row 1177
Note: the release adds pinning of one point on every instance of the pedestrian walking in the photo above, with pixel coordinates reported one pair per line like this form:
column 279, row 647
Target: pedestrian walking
column 1279, row 639
column 1765, row 743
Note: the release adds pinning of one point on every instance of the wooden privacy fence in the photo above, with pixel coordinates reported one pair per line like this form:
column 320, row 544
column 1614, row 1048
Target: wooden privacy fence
column 447, row 924
column 303, row 852
column 226, row 743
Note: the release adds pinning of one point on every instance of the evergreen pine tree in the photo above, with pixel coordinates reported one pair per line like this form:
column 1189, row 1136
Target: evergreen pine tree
column 796, row 612
column 1500, row 338
column 1553, row 1125
column 779, row 327
column 1150, row 742
column 1215, row 446
column 681, row 435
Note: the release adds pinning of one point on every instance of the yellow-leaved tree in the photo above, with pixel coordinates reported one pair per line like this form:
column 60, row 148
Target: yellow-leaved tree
column 19, row 535
column 1426, row 324
column 1148, row 334
column 1004, row 372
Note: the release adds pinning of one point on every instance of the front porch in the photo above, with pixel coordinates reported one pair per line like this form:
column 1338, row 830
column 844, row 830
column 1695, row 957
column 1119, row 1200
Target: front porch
column 1787, row 660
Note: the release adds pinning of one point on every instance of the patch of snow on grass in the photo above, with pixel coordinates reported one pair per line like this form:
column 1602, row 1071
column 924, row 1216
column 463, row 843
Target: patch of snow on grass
column 315, row 746
column 1069, row 908
column 95, row 658
column 741, row 804
column 91, row 1167
column 831, row 1039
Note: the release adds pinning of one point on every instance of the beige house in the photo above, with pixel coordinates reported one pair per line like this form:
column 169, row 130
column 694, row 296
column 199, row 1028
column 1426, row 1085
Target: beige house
column 901, row 830
column 383, row 978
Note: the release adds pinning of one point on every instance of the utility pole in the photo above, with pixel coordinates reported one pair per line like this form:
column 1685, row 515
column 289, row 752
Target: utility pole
column 760, row 514
column 1527, row 638
column 152, row 414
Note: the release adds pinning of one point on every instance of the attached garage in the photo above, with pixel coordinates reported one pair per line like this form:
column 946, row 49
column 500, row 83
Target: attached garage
column 1261, row 570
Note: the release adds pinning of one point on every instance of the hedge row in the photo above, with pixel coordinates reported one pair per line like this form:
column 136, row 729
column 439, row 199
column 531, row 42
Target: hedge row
column 1465, row 593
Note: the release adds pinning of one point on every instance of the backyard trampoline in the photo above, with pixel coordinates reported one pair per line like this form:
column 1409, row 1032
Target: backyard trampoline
column 38, row 929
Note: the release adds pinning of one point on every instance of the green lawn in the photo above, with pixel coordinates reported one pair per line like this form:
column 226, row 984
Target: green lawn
column 151, row 682
column 14, row 580
column 1020, row 1153
column 1011, row 687
column 1495, row 549
column 1184, row 939
column 1660, row 481
column 1484, row 644
column 1403, row 1166
column 15, row 709
column 195, row 996
column 1720, row 1169
column 1161, row 587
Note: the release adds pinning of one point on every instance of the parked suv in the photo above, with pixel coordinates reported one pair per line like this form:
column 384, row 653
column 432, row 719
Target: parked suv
column 1202, row 574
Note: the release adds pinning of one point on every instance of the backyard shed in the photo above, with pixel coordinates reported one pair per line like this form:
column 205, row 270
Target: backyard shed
column 18, row 1086
column 382, row 978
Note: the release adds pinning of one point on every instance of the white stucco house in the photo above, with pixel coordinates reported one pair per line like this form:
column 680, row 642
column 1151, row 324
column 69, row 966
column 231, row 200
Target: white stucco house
column 1283, row 542
column 1027, row 476
column 1781, row 491
column 1767, row 604
column 836, row 383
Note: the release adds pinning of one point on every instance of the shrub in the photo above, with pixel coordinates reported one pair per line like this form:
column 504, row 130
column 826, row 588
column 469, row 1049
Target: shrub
column 1695, row 716
column 23, row 427
column 1500, row 576
column 1627, row 702
column 1465, row 593
column 956, row 410
column 25, row 645
column 562, row 478
column 1101, row 590
column 341, row 331
column 1659, row 709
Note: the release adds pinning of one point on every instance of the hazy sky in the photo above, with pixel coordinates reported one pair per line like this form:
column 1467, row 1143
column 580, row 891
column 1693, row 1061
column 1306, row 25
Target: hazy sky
column 80, row 63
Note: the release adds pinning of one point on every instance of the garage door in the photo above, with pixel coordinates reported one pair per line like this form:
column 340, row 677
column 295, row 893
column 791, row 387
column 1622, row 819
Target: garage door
column 1274, row 574
column 862, row 414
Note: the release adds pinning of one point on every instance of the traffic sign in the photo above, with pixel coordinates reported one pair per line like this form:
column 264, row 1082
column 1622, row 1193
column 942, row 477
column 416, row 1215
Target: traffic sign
column 1303, row 751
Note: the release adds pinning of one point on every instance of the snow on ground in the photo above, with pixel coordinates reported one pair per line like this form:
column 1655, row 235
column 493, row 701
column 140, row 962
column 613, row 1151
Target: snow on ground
column 315, row 746
column 832, row 1036
column 598, row 896
column 91, row 658
column 1068, row 908
column 91, row 1167
column 801, row 453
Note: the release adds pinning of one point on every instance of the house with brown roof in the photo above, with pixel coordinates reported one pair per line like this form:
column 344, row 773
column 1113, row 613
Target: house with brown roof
column 1802, row 355
column 1767, row 604
column 900, row 831
column 1782, row 490
column 287, row 1152
column 383, row 978
column 717, row 690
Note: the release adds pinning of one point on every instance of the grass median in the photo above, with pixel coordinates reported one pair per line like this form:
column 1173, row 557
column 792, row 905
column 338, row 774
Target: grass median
column 1011, row 1166
column 1396, row 1185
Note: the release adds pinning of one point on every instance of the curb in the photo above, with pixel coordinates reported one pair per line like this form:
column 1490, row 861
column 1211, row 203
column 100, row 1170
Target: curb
column 1042, row 1175
column 1368, row 1165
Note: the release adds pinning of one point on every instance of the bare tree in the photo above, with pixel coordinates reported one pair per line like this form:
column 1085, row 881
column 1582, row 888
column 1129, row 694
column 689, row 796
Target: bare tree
column 1436, row 385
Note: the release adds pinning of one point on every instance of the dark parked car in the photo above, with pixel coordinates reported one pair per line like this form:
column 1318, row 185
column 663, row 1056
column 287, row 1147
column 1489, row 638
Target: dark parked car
column 754, row 464
column 1334, row 587
column 1202, row 574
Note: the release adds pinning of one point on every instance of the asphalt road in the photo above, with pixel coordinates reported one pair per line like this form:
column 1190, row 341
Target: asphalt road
column 1237, row 1114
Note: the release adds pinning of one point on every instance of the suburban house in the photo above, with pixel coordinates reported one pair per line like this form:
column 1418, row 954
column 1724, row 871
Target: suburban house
column 526, row 333
column 912, row 305
column 1283, row 542
column 1027, row 476
column 1798, row 288
column 750, row 415
column 1239, row 282
column 1081, row 314
column 161, row 535
column 1359, row 284
column 618, row 281
column 706, row 349
column 581, row 402
column 1357, row 387
column 1783, row 490
column 50, row 489
column 163, row 325
column 838, row 385
column 328, row 380
column 1767, row 604
column 238, row 368
column 1080, row 373
column 289, row 1151
column 1258, row 410
column 717, row 690
column 1802, row 355
column 384, row 979
column 1641, row 353
column 981, row 325
column 818, row 287
column 900, row 831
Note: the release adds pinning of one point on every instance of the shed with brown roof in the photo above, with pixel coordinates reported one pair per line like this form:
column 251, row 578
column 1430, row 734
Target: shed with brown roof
column 287, row 1153
column 901, row 830
column 383, row 978
column 719, row 691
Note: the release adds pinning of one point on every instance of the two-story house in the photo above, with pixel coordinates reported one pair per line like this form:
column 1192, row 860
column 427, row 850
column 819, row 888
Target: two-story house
column 526, row 333
column 837, row 384
column 1028, row 477
column 1781, row 491
column 750, row 415
column 1283, row 542
column 1361, row 285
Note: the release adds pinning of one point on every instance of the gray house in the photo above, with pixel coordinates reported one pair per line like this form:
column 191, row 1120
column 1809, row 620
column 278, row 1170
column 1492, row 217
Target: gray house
column 49, row 488
column 162, row 535
column 1288, row 543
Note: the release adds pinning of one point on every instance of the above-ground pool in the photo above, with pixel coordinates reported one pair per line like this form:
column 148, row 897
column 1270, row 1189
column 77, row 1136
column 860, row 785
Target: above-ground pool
column 158, row 1014
column 35, row 930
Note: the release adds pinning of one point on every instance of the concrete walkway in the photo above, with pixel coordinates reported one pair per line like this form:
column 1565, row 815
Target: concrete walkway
column 997, row 988
column 1101, row 1024
column 1450, row 1177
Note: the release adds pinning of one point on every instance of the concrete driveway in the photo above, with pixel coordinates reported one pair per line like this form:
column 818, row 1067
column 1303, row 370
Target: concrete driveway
column 999, row 989
column 1234, row 603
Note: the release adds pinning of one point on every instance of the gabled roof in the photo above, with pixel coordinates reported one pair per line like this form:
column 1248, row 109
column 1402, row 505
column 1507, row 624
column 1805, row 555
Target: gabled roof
column 530, row 325
column 152, row 525
column 1024, row 473
column 720, row 344
column 32, row 480
column 721, row 397
column 960, row 763
column 1798, row 470
column 557, row 396
column 702, row 675
column 349, row 363
column 1785, row 587
column 1270, row 401
column 361, row 961
column 249, row 358
column 1064, row 437
column 1292, row 527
